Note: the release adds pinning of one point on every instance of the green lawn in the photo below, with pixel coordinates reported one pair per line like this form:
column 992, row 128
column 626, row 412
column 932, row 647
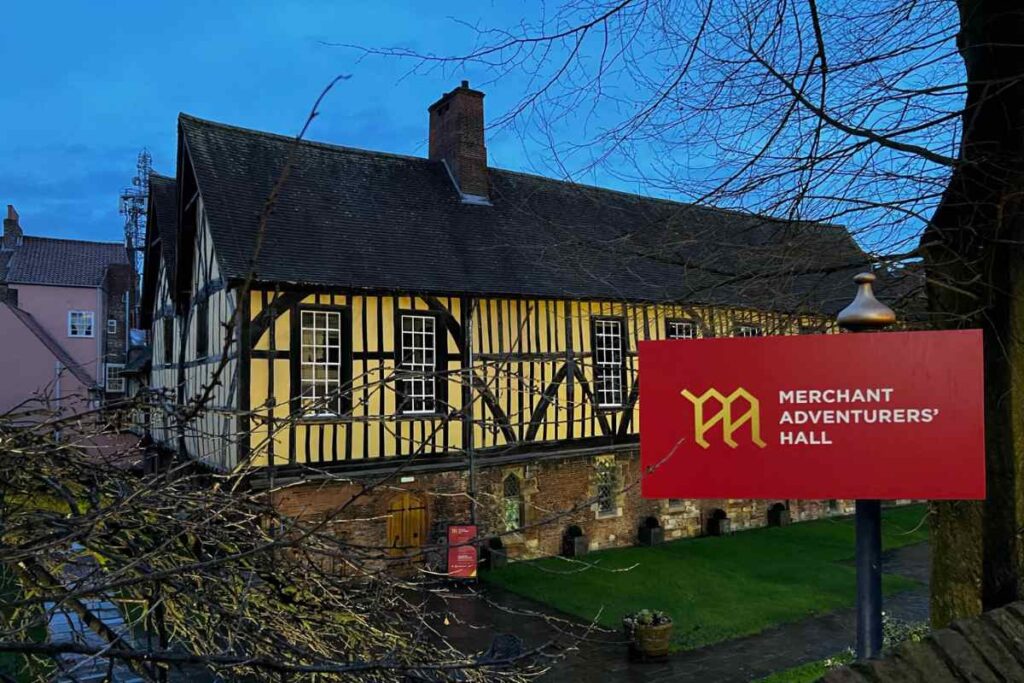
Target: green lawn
column 716, row 588
column 810, row 672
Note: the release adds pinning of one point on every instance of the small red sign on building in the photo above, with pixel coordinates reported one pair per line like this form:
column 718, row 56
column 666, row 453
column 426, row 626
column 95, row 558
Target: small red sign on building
column 462, row 554
column 882, row 415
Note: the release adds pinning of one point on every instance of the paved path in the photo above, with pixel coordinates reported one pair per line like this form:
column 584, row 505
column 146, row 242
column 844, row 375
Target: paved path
column 601, row 656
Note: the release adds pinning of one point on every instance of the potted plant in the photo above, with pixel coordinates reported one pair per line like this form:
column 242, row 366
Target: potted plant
column 648, row 633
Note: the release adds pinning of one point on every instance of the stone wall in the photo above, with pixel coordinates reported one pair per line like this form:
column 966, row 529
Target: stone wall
column 555, row 493
column 985, row 648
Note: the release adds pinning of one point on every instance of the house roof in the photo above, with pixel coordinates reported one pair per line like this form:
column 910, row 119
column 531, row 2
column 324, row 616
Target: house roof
column 5, row 258
column 163, row 195
column 351, row 218
column 68, row 263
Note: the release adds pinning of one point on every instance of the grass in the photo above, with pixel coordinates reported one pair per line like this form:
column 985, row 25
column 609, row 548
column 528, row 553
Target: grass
column 716, row 588
column 809, row 672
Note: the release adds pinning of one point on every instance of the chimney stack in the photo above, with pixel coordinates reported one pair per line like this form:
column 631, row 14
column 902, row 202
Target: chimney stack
column 12, row 230
column 457, row 138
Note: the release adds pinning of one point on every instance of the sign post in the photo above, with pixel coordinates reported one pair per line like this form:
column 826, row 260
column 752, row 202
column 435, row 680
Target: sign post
column 865, row 417
column 867, row 313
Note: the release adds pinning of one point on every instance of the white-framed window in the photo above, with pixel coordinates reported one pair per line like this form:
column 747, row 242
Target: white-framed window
column 681, row 329
column 609, row 362
column 419, row 363
column 115, row 378
column 748, row 331
column 112, row 326
column 321, row 362
column 81, row 323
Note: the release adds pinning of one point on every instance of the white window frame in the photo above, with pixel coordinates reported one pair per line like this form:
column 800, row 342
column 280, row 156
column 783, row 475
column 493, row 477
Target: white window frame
column 418, row 363
column 111, row 325
column 115, row 379
column 609, row 355
column 747, row 330
column 320, row 372
column 681, row 329
column 73, row 324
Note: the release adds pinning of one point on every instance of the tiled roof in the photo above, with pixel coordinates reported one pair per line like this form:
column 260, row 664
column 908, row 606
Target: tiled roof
column 69, row 263
column 163, row 194
column 5, row 258
column 357, row 219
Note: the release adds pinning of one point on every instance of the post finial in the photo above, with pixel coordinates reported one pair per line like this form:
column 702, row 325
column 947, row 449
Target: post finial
column 865, row 312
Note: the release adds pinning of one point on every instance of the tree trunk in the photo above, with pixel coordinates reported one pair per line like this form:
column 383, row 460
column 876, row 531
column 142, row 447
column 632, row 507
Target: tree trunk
column 975, row 266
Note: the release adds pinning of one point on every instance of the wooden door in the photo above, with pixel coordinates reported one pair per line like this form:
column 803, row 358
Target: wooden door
column 407, row 525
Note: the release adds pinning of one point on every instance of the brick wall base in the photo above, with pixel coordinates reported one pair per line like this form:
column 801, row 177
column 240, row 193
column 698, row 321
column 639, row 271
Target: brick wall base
column 554, row 494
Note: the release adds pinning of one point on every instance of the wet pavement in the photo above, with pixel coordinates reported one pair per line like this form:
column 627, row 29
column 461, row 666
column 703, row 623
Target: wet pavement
column 575, row 652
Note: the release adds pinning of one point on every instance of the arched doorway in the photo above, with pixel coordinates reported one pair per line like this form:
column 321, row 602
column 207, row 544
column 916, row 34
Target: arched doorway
column 407, row 524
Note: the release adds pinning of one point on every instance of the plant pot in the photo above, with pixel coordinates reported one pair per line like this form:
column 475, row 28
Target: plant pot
column 651, row 535
column 651, row 642
column 495, row 558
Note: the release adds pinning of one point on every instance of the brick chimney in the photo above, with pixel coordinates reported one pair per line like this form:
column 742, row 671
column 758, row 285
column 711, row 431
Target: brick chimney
column 12, row 230
column 457, row 138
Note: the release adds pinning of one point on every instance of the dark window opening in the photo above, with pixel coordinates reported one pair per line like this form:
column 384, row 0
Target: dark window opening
column 168, row 325
column 203, row 328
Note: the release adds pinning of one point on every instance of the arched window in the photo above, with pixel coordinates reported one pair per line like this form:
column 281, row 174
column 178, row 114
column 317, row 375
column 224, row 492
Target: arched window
column 514, row 505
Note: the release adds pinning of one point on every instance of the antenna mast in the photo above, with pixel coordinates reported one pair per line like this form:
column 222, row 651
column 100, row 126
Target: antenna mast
column 134, row 202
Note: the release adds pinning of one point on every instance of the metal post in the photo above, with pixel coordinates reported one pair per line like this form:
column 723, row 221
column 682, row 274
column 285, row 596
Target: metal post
column 467, row 426
column 869, row 578
column 864, row 314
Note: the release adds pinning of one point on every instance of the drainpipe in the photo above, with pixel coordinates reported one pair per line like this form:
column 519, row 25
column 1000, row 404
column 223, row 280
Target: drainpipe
column 56, row 391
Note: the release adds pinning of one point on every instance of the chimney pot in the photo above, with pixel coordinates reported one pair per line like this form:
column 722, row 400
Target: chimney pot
column 12, row 230
column 457, row 138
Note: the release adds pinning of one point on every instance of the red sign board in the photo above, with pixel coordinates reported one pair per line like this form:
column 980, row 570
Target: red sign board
column 880, row 415
column 462, row 554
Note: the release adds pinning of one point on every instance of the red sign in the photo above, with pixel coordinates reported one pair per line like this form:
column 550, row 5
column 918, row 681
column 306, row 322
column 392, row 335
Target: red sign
column 881, row 415
column 461, row 553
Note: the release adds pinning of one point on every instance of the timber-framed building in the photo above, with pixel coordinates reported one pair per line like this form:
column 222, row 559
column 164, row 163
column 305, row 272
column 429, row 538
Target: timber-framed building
column 467, row 330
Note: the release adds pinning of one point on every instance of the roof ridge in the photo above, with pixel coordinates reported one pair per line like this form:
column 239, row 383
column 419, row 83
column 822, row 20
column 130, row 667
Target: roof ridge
column 568, row 183
column 303, row 141
column 674, row 202
column 74, row 240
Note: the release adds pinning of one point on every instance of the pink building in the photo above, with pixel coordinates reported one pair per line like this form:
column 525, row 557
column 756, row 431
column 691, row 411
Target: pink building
column 63, row 306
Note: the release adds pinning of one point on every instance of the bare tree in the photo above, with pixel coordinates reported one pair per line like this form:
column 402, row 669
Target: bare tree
column 900, row 119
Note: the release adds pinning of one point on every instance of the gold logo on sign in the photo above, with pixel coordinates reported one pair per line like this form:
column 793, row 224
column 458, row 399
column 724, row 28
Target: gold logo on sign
column 730, row 422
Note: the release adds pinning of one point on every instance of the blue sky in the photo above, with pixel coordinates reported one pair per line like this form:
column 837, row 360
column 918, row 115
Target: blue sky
column 86, row 85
